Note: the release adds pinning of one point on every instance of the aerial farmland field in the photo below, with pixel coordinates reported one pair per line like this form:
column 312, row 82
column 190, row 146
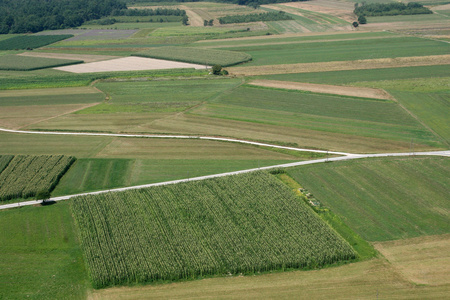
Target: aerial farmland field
column 304, row 156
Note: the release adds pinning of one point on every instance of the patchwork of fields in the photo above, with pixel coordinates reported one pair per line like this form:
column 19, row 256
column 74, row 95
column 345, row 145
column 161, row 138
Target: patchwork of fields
column 369, row 228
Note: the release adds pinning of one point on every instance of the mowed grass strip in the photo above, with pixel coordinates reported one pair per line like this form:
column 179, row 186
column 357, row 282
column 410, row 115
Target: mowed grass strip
column 208, row 57
column 355, row 116
column 385, row 198
column 27, row 63
column 342, row 50
column 243, row 223
column 41, row 255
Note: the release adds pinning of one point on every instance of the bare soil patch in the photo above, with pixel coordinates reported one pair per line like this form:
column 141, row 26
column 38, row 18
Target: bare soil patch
column 84, row 57
column 131, row 63
column 423, row 260
column 379, row 63
column 326, row 89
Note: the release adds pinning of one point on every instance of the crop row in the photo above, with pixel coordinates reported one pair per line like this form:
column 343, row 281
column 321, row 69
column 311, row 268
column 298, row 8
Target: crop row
column 26, row 63
column 25, row 175
column 197, row 55
column 31, row 41
column 236, row 224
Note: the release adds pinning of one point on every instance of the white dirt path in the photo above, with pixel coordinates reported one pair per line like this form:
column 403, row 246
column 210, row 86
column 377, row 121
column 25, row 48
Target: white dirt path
column 346, row 156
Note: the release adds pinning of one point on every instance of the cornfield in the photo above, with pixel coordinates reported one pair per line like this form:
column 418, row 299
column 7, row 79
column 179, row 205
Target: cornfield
column 24, row 175
column 235, row 224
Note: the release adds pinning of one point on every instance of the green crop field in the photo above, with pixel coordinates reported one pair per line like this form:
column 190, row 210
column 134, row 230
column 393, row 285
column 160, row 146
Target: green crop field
column 242, row 223
column 40, row 97
column 350, row 77
column 197, row 56
column 384, row 198
column 26, row 63
column 31, row 41
column 26, row 175
column 372, row 118
column 342, row 50
column 41, row 255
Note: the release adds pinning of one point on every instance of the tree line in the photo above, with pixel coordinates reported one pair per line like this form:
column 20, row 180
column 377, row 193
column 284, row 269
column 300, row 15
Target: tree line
column 390, row 9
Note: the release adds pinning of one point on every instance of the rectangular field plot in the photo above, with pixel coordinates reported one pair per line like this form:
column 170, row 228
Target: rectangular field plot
column 342, row 50
column 24, row 176
column 242, row 223
column 339, row 114
column 384, row 199
column 31, row 41
column 26, row 63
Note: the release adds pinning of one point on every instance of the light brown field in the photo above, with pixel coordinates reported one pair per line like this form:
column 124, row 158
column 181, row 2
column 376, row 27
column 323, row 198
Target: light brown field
column 16, row 117
column 84, row 57
column 423, row 260
column 365, row 280
column 326, row 89
column 342, row 65
column 194, row 19
column 131, row 63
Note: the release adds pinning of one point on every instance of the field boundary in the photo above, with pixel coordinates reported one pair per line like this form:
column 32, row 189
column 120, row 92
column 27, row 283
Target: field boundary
column 346, row 156
column 364, row 64
column 325, row 89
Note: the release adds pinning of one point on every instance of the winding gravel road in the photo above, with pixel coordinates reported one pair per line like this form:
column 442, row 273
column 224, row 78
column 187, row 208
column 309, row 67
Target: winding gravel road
column 344, row 156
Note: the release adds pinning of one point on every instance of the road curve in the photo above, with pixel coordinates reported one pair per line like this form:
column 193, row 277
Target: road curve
column 346, row 156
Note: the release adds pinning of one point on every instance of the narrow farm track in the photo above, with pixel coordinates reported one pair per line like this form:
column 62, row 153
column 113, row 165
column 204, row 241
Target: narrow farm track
column 345, row 156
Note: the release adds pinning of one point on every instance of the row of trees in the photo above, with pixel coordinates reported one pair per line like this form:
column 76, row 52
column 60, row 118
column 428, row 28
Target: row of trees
column 149, row 12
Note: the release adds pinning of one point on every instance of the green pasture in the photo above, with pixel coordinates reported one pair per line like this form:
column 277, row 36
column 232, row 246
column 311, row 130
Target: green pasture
column 342, row 50
column 384, row 198
column 198, row 56
column 408, row 18
column 159, row 96
column 330, row 113
column 43, row 99
column 93, row 174
column 54, row 78
column 352, row 77
column 295, row 39
column 27, row 63
column 41, row 255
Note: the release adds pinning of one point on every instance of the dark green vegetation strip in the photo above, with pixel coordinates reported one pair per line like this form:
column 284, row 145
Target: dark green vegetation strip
column 4, row 161
column 343, row 50
column 348, row 77
column 52, row 78
column 390, row 9
column 26, row 175
column 242, row 223
column 26, row 63
column 384, row 199
column 41, row 255
column 196, row 55
column 330, row 113
column 270, row 16
column 31, row 41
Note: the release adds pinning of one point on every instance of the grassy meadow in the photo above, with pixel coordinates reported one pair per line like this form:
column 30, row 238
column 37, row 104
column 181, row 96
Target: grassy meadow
column 25, row 63
column 41, row 254
column 383, row 199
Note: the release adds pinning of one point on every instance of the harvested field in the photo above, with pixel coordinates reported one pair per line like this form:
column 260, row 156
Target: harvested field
column 128, row 64
column 194, row 18
column 84, row 57
column 343, row 10
column 378, row 63
column 325, row 88
column 423, row 260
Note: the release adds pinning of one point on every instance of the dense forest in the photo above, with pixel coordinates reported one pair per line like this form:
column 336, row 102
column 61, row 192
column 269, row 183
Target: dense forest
column 253, row 3
column 390, row 9
column 21, row 16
